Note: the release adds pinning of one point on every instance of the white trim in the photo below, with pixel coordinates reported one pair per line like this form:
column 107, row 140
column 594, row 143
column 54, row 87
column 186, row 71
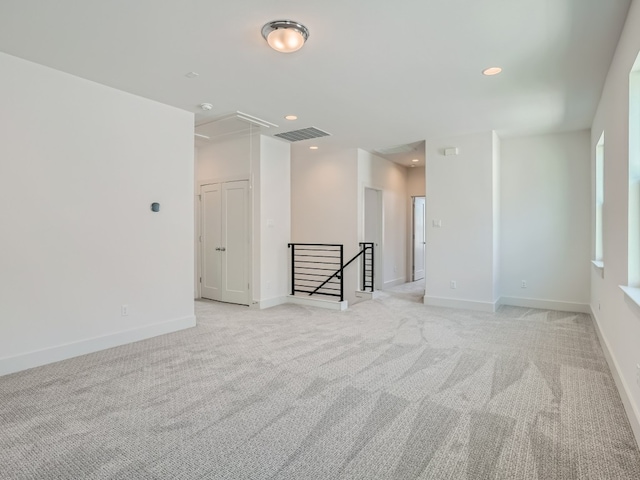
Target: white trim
column 623, row 389
column 599, row 266
column 457, row 303
column 316, row 302
column 368, row 295
column 91, row 345
column 395, row 282
column 270, row 302
column 230, row 178
column 545, row 304
column 632, row 294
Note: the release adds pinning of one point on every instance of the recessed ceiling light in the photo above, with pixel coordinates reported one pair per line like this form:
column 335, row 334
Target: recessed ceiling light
column 491, row 71
column 313, row 147
column 192, row 75
column 415, row 160
column 291, row 117
column 285, row 36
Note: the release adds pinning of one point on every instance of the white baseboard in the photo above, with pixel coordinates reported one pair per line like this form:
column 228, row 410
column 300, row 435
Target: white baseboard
column 632, row 412
column 316, row 302
column 270, row 302
column 545, row 304
column 367, row 295
column 395, row 282
column 457, row 303
column 28, row 360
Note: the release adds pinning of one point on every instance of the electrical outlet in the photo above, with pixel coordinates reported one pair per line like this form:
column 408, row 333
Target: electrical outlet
column 124, row 310
column 523, row 284
column 453, row 284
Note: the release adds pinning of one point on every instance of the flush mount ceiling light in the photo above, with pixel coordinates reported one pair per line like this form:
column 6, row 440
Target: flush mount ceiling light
column 491, row 71
column 313, row 147
column 285, row 36
column 415, row 160
column 291, row 117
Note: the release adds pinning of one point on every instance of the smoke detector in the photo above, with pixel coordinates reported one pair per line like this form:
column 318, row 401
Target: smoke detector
column 206, row 106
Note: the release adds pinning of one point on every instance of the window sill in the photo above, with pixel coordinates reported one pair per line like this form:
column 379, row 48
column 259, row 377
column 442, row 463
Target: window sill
column 599, row 265
column 632, row 293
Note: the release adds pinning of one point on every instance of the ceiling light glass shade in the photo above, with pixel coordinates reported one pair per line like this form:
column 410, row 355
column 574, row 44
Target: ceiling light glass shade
column 285, row 36
column 491, row 71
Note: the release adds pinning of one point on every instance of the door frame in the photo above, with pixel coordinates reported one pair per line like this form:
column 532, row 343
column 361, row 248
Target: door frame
column 413, row 234
column 198, row 220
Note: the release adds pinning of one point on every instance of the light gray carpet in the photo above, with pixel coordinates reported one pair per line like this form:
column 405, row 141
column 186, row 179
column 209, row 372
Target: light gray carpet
column 390, row 389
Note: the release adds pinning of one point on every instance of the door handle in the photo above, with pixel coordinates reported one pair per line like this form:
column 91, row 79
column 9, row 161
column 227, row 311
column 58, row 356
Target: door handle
column 217, row 249
column 222, row 249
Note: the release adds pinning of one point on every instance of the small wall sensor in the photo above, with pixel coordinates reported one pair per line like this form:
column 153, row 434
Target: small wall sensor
column 155, row 207
column 451, row 151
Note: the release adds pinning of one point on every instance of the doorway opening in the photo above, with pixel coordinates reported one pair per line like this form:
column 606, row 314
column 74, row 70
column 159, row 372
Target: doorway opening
column 419, row 240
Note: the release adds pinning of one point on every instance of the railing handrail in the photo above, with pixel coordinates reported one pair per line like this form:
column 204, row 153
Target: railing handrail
column 317, row 244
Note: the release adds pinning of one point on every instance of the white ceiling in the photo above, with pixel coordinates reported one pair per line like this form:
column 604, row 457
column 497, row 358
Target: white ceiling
column 373, row 73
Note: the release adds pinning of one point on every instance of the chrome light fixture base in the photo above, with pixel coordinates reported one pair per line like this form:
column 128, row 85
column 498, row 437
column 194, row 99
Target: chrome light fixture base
column 285, row 36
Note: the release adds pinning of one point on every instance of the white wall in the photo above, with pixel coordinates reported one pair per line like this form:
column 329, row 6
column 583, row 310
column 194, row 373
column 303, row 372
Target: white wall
column 225, row 158
column 324, row 204
column 617, row 318
column 460, row 195
column 546, row 219
column 391, row 178
column 416, row 182
column 275, row 219
column 81, row 164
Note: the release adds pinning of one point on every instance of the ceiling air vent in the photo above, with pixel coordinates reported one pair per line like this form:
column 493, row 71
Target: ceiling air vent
column 302, row 134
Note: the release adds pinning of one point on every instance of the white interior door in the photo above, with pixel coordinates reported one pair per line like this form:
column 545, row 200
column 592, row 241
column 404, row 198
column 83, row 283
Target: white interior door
column 373, row 230
column 225, row 242
column 419, row 242
column 235, row 244
column 211, row 205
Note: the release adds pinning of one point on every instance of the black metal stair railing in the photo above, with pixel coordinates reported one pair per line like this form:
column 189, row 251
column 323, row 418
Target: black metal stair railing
column 318, row 268
column 367, row 274
column 313, row 268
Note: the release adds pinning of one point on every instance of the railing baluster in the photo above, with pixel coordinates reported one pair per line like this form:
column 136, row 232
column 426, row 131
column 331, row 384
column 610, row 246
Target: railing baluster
column 342, row 274
column 293, row 268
